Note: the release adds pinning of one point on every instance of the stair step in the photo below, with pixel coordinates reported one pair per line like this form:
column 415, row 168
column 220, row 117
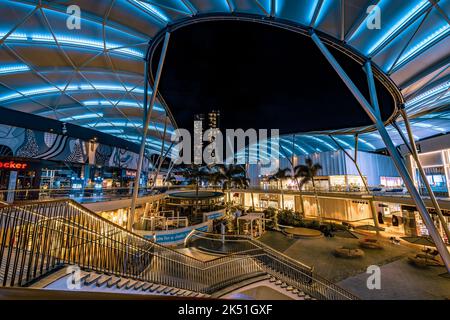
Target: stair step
column 161, row 289
column 147, row 286
column 139, row 285
column 114, row 281
column 131, row 284
column 122, row 283
column 84, row 276
column 181, row 292
column 92, row 279
column 103, row 280
column 154, row 287
column 167, row 290
column 174, row 291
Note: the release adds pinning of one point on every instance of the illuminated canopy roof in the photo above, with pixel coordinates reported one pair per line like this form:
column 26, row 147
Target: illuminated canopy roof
column 94, row 76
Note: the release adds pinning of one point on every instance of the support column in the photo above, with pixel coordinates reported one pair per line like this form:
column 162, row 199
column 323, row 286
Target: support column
column 147, row 117
column 11, row 187
column 373, row 111
column 366, row 186
column 415, row 155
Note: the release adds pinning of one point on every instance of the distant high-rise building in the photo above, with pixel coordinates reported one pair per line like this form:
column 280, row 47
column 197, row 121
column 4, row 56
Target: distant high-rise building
column 202, row 123
column 214, row 119
column 201, row 117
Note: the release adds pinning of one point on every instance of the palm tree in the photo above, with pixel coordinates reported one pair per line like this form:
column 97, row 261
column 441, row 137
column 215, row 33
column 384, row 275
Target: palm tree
column 232, row 175
column 215, row 178
column 242, row 182
column 247, row 185
column 306, row 172
column 194, row 174
column 170, row 178
column 279, row 176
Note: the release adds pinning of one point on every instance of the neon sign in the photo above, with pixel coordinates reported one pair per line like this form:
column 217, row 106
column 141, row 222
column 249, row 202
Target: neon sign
column 13, row 165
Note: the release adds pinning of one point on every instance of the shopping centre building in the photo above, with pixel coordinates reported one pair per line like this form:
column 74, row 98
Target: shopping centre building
column 91, row 191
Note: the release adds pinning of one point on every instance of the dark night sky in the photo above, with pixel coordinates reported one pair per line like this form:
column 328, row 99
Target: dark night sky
column 259, row 77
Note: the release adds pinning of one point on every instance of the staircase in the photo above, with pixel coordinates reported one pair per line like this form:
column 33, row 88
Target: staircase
column 91, row 281
column 290, row 289
column 38, row 238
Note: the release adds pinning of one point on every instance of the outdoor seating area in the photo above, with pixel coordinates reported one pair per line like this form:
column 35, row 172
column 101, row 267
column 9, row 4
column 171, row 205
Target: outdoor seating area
column 426, row 258
column 424, row 261
column 370, row 243
column 251, row 224
column 348, row 253
column 305, row 233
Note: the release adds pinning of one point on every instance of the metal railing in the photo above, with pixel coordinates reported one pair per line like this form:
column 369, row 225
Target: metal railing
column 84, row 195
column 273, row 262
column 38, row 237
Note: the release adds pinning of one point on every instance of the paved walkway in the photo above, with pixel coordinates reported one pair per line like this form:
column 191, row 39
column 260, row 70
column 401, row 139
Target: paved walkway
column 401, row 280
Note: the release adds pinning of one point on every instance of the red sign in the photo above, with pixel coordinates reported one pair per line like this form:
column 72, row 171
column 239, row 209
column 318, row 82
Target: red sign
column 11, row 165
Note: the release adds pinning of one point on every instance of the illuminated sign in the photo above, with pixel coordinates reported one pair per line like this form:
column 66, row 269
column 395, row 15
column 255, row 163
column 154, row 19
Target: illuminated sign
column 175, row 236
column 13, row 165
column 213, row 215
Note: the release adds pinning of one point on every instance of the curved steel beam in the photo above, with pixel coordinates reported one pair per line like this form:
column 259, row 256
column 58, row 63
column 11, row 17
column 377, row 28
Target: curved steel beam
column 381, row 76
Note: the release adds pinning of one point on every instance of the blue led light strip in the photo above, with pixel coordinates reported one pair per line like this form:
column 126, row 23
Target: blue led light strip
column 73, row 41
column 129, row 104
column 151, row 9
column 432, row 92
column 16, row 68
column 71, row 88
column 398, row 26
column 131, row 124
column 83, row 116
column 425, row 43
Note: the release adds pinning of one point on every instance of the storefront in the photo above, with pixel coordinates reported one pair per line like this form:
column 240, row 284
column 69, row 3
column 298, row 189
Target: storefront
column 391, row 218
column 436, row 165
column 19, row 179
column 289, row 201
column 391, row 182
column 414, row 225
column 337, row 209
column 265, row 201
column 344, row 183
column 62, row 165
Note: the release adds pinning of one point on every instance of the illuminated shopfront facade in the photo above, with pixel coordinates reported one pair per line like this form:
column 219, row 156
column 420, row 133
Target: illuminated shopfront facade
column 436, row 165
